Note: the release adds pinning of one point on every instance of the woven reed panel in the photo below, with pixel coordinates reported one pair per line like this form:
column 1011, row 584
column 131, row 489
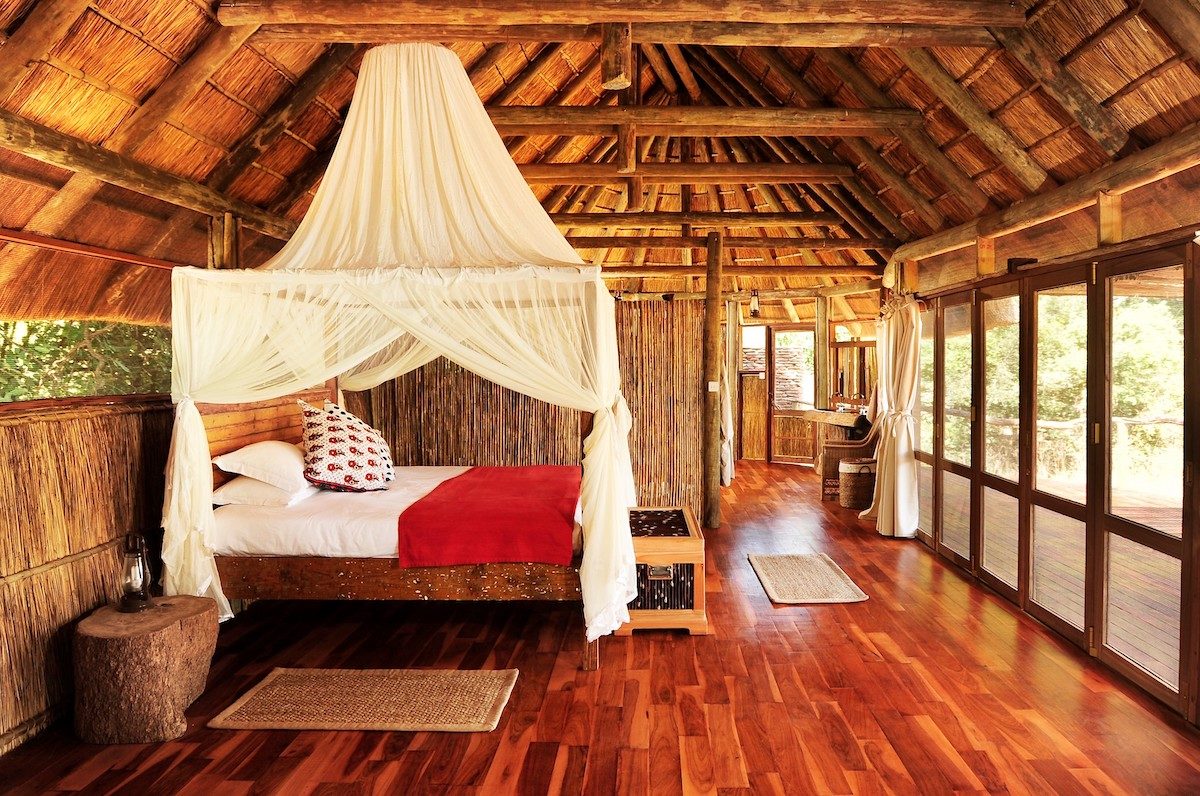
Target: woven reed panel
column 662, row 370
column 73, row 481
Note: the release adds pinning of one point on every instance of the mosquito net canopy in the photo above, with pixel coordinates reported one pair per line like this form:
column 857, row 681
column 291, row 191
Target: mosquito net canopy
column 423, row 240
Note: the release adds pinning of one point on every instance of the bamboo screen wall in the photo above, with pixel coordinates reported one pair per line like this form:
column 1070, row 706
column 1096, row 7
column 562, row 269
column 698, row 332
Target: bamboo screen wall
column 72, row 483
column 442, row 414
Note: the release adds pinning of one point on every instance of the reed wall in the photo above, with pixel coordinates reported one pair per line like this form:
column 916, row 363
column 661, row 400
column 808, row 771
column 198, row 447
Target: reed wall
column 442, row 414
column 73, row 481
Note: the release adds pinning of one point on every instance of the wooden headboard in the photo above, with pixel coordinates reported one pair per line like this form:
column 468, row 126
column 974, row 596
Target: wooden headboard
column 233, row 426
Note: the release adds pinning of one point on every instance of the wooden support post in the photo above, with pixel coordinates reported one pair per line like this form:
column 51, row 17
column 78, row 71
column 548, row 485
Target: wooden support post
column 821, row 352
column 910, row 276
column 216, row 241
column 712, row 383
column 1112, row 222
column 985, row 256
column 616, row 56
column 231, row 241
column 626, row 149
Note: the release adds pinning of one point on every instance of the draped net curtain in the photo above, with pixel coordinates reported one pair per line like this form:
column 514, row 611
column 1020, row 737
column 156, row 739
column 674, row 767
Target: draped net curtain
column 423, row 241
column 895, row 507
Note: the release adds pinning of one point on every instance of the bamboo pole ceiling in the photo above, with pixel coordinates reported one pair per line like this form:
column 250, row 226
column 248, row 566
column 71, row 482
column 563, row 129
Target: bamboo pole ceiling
column 828, row 144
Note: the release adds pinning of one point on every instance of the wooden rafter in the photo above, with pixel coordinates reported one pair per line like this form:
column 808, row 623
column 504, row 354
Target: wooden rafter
column 994, row 135
column 748, row 242
column 571, row 12
column 925, row 148
column 1066, row 90
column 46, row 24
column 618, row 271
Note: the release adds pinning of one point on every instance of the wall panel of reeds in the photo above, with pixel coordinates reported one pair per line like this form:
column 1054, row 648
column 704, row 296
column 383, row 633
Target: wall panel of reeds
column 73, row 481
column 442, row 414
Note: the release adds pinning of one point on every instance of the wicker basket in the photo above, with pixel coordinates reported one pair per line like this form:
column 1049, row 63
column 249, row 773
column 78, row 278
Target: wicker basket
column 856, row 483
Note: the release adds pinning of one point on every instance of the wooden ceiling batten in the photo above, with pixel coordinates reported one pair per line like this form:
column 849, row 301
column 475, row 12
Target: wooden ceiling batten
column 570, row 12
column 46, row 24
column 766, row 270
column 694, row 174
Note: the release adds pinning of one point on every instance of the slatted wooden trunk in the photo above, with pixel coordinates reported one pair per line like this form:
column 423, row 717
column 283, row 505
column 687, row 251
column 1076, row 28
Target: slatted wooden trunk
column 670, row 571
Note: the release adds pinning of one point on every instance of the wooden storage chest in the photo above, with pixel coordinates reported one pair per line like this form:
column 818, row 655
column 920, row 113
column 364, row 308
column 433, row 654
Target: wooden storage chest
column 670, row 565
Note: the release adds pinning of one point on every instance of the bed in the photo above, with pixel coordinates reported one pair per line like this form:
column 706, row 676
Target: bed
column 307, row 553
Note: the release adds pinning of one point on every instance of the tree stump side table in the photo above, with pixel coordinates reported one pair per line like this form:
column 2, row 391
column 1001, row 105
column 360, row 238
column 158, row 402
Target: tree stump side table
column 135, row 674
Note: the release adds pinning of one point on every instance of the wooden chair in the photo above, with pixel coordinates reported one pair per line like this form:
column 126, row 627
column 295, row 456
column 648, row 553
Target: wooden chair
column 832, row 453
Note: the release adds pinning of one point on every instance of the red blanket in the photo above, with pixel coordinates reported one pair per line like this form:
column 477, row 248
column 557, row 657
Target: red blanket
column 493, row 514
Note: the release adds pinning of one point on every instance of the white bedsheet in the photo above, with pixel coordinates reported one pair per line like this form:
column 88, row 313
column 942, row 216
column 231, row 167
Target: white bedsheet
column 331, row 524
column 334, row 524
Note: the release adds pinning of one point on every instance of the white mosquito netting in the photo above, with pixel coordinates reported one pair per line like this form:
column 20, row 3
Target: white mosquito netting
column 423, row 241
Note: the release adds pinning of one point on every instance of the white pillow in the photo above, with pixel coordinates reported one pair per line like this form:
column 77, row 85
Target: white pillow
column 278, row 463
column 247, row 491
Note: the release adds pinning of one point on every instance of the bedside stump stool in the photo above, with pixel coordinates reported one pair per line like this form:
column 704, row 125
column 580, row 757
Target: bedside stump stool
column 135, row 674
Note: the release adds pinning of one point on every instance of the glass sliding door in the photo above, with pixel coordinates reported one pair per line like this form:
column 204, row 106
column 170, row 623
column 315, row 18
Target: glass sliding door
column 1141, row 433
column 1000, row 527
column 957, row 363
column 1057, row 587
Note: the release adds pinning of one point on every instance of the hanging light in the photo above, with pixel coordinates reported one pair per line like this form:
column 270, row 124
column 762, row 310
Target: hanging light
column 754, row 308
column 135, row 576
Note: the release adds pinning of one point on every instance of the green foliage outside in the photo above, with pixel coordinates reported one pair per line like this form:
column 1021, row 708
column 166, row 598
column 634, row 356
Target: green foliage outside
column 60, row 359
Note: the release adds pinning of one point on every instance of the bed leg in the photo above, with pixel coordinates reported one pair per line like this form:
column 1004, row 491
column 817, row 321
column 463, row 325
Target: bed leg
column 591, row 656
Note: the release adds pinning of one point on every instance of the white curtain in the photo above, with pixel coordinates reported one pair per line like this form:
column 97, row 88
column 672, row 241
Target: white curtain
column 895, row 506
column 422, row 241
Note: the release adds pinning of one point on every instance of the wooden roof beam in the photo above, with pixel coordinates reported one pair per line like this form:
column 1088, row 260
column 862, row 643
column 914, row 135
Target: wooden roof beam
column 1181, row 20
column 88, row 160
column 922, row 145
column 571, row 12
column 619, row 271
column 839, row 290
column 691, row 173
column 725, row 34
column 1169, row 156
column 743, row 242
column 700, row 120
column 696, row 218
column 1065, row 89
column 962, row 104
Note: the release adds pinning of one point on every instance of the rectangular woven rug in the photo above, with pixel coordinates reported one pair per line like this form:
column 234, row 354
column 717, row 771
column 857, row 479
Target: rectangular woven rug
column 441, row 700
column 805, row 578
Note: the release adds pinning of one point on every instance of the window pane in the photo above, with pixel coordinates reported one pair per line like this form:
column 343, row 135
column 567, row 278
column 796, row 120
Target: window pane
column 1001, row 520
column 956, row 350
column 1146, row 427
column 1142, row 613
column 925, row 395
column 754, row 348
column 1058, row 564
column 1062, row 392
column 956, row 513
column 1001, row 375
column 925, row 497
column 795, row 374
column 64, row 359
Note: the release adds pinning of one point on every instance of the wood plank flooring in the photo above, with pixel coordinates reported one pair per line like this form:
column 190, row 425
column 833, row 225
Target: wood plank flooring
column 932, row 686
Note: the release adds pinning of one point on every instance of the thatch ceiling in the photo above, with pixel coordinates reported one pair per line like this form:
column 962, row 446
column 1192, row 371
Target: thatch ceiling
column 252, row 112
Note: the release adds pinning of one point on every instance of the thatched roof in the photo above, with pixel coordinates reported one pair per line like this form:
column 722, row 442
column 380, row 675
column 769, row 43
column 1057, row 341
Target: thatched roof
column 165, row 83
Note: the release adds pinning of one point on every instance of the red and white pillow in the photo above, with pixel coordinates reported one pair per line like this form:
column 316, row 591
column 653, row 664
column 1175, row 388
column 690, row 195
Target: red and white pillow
column 342, row 453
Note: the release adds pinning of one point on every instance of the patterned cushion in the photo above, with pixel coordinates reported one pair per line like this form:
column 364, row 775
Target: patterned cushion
column 342, row 453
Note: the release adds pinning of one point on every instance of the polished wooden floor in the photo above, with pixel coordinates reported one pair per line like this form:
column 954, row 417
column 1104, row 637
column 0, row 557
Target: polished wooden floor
column 932, row 686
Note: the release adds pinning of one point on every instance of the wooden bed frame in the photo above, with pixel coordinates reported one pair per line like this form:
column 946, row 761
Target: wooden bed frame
column 232, row 426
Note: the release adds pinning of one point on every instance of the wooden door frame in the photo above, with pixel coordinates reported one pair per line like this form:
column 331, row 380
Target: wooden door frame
column 772, row 328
